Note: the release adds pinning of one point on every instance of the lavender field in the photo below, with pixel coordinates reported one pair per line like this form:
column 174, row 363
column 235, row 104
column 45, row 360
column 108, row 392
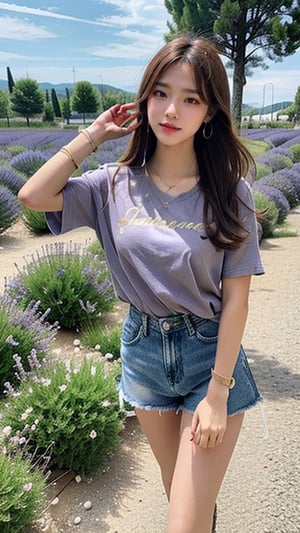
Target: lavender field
column 22, row 152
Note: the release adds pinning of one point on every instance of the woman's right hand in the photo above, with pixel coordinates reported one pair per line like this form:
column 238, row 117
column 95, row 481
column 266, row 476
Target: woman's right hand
column 118, row 121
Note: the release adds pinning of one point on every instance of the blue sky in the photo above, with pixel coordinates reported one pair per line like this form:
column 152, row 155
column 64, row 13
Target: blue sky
column 108, row 42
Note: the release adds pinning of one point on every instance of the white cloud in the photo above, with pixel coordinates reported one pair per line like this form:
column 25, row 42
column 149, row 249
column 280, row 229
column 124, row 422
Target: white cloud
column 43, row 13
column 18, row 30
column 139, row 13
column 135, row 45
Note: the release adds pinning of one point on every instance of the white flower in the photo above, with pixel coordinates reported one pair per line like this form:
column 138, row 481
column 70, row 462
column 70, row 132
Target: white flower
column 93, row 434
column 93, row 370
column 97, row 347
column 24, row 416
column 62, row 388
column 76, row 350
column 6, row 431
column 27, row 487
column 109, row 356
column 22, row 440
column 29, row 410
column 76, row 370
column 33, row 427
column 76, row 342
column 106, row 403
column 46, row 382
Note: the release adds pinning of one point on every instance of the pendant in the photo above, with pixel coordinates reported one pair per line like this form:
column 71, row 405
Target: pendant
column 166, row 205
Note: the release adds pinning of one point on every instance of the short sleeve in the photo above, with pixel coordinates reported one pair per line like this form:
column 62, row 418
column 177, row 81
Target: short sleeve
column 83, row 197
column 246, row 260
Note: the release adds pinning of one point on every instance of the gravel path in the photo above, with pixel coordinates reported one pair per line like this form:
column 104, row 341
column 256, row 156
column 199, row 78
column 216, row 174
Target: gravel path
column 260, row 491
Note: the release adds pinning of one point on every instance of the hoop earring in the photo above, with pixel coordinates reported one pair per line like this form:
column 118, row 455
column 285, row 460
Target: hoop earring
column 207, row 135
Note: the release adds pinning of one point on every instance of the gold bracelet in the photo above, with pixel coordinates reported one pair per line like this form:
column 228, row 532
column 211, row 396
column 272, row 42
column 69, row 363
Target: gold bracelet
column 228, row 382
column 90, row 139
column 65, row 151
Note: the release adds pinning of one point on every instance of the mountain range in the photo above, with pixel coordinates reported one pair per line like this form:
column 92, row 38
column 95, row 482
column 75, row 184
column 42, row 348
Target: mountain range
column 60, row 88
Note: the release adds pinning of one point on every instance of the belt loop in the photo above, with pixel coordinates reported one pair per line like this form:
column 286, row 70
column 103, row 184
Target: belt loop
column 145, row 324
column 189, row 325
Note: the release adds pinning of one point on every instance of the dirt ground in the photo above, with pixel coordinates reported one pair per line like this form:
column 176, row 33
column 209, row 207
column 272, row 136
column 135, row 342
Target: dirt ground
column 260, row 491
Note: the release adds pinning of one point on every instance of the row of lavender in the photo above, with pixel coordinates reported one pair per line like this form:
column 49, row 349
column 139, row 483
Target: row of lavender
column 278, row 169
column 21, row 153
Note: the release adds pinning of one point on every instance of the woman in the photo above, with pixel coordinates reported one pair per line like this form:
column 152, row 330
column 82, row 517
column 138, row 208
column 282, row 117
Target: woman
column 177, row 224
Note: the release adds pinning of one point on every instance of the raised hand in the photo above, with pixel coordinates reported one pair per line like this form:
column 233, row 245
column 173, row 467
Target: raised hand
column 118, row 121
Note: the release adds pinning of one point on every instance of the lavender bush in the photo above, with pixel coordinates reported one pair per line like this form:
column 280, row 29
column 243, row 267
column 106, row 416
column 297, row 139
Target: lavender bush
column 35, row 221
column 21, row 492
column 25, row 338
column 29, row 162
column 9, row 208
column 283, row 183
column 294, row 175
column 275, row 196
column 295, row 151
column 11, row 179
column 270, row 213
column 73, row 407
column 275, row 161
column 68, row 280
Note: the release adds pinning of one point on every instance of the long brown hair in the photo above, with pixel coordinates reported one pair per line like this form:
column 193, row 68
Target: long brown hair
column 221, row 157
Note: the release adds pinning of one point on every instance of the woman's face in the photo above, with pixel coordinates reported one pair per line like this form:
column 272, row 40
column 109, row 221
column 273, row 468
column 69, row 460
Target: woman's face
column 175, row 109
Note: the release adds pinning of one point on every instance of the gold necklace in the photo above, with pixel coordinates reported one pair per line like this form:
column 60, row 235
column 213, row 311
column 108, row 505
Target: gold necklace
column 165, row 203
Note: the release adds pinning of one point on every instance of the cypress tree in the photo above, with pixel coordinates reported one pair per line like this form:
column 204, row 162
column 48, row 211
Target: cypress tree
column 10, row 80
column 55, row 103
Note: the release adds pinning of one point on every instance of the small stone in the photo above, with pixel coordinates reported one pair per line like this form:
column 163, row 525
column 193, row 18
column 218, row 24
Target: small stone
column 88, row 505
column 55, row 501
column 77, row 520
column 78, row 479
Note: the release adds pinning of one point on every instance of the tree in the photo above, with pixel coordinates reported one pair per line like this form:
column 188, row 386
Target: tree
column 85, row 98
column 66, row 109
column 246, row 33
column 27, row 98
column 48, row 115
column 4, row 106
column 10, row 80
column 297, row 105
column 55, row 103
column 109, row 99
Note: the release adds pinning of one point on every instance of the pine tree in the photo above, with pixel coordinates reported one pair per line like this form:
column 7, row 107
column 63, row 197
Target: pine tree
column 246, row 33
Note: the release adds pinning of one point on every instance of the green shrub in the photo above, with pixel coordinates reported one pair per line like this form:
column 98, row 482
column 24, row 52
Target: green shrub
column 295, row 150
column 74, row 406
column 268, row 213
column 262, row 170
column 24, row 336
column 34, row 220
column 68, row 280
column 95, row 248
column 106, row 339
column 21, row 494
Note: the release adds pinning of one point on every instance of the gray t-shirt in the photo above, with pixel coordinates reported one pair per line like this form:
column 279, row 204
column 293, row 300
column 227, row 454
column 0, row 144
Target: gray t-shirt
column 158, row 254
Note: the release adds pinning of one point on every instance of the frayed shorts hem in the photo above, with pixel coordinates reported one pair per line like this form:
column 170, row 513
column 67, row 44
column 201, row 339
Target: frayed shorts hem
column 135, row 404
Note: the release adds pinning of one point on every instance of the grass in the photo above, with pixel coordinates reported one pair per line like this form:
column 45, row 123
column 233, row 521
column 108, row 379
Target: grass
column 256, row 148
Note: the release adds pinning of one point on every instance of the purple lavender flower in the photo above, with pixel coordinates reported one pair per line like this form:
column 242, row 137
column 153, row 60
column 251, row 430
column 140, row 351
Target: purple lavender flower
column 9, row 208
column 276, row 196
column 11, row 179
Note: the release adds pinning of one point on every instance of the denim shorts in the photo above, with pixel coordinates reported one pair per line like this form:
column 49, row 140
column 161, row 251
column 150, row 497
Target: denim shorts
column 166, row 364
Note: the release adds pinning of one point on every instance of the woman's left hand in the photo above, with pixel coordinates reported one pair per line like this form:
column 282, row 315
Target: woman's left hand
column 210, row 417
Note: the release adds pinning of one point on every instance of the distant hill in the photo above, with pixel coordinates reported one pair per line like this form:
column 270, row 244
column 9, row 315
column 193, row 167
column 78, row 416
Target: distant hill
column 60, row 88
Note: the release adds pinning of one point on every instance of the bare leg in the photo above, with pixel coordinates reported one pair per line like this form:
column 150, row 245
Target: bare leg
column 162, row 430
column 197, row 478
